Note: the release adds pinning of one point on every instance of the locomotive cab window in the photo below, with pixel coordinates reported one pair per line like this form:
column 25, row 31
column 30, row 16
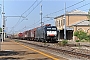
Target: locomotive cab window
column 53, row 28
column 48, row 28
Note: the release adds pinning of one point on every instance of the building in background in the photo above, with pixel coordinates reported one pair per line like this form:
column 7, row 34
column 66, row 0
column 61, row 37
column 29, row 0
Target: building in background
column 75, row 20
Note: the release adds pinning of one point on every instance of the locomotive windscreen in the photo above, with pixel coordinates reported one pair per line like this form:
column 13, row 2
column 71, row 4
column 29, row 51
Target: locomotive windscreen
column 54, row 29
column 51, row 28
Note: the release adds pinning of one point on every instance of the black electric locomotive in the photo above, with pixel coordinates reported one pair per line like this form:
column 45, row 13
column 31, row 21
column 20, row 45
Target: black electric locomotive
column 46, row 33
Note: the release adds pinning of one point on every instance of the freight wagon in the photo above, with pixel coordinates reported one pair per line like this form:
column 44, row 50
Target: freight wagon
column 29, row 35
column 20, row 35
column 33, row 34
column 24, row 35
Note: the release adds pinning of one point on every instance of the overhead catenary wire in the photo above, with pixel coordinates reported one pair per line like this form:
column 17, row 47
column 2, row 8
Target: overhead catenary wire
column 30, row 26
column 76, row 4
column 24, row 13
column 31, row 11
column 47, row 14
column 30, row 7
column 66, row 8
column 35, row 24
column 73, row 5
column 83, row 5
column 34, row 8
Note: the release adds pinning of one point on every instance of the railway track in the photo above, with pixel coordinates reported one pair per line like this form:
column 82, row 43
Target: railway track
column 64, row 50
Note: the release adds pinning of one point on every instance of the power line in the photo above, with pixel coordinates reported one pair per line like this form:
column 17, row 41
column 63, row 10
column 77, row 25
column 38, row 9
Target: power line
column 34, row 8
column 32, row 25
column 50, row 13
column 25, row 12
column 75, row 8
column 35, row 24
column 30, row 12
column 83, row 5
column 30, row 7
column 69, row 7
column 66, row 7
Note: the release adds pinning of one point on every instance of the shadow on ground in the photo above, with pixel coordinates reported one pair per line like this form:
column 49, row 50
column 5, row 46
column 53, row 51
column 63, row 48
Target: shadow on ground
column 8, row 53
column 40, row 59
column 11, row 58
column 4, row 55
column 11, row 53
column 4, row 40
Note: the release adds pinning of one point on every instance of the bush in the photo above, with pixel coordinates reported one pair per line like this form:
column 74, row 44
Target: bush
column 81, row 35
column 83, row 40
column 77, row 40
column 88, row 38
column 76, row 33
column 63, row 43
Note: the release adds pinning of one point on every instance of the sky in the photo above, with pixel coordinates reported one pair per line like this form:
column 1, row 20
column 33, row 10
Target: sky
column 30, row 12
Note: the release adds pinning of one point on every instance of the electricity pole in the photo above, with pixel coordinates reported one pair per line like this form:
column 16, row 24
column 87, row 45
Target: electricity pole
column 64, row 18
column 41, row 15
column 3, row 22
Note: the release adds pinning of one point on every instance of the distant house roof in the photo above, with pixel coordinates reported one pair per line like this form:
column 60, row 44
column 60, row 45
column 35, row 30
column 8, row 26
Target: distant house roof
column 74, row 12
column 82, row 23
column 77, row 12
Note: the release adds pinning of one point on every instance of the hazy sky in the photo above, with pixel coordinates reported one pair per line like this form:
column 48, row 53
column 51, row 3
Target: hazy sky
column 18, row 7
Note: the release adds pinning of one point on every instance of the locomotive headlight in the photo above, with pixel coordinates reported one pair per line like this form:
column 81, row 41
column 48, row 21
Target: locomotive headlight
column 54, row 33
